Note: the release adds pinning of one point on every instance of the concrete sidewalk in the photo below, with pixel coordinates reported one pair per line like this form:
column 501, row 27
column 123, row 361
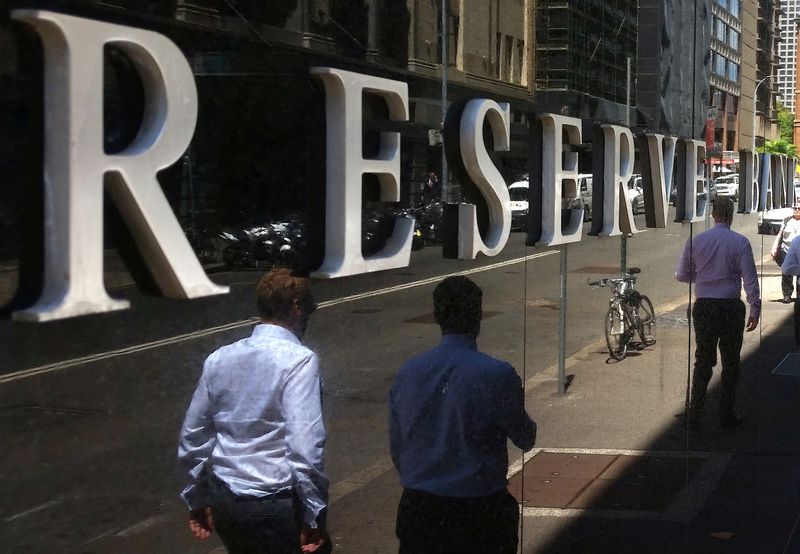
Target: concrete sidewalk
column 616, row 471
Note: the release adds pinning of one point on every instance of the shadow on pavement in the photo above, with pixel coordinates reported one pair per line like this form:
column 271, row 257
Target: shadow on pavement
column 732, row 491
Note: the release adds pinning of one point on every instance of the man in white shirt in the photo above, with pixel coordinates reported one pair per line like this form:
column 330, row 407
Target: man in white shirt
column 252, row 441
column 780, row 248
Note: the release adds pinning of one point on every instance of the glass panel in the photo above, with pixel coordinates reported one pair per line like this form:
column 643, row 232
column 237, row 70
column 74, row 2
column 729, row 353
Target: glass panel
column 386, row 150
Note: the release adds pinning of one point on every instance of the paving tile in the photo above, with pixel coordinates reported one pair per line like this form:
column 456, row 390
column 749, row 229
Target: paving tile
column 564, row 465
column 640, row 483
column 542, row 492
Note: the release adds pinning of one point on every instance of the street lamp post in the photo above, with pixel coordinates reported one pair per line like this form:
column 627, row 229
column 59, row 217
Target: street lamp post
column 755, row 97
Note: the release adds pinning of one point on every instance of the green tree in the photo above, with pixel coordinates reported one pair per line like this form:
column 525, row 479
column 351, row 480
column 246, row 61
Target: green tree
column 785, row 121
column 779, row 146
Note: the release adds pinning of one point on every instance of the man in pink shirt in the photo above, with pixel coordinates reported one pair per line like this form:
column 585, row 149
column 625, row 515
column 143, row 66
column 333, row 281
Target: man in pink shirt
column 718, row 262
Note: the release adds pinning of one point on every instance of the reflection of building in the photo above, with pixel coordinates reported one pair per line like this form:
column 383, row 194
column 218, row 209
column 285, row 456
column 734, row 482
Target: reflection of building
column 767, row 64
column 582, row 52
column 760, row 63
column 673, row 72
column 725, row 78
column 786, row 50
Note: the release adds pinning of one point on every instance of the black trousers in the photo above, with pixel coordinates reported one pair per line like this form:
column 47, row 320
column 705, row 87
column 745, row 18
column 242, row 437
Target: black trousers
column 788, row 284
column 717, row 322
column 256, row 525
column 431, row 524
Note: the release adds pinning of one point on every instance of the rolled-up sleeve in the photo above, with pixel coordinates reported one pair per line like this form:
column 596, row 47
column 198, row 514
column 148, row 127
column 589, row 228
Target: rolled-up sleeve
column 750, row 280
column 685, row 272
column 195, row 444
column 305, row 436
column 516, row 422
column 791, row 265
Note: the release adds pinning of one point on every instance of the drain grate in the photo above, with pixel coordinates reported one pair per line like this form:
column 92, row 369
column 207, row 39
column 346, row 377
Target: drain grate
column 603, row 481
column 790, row 365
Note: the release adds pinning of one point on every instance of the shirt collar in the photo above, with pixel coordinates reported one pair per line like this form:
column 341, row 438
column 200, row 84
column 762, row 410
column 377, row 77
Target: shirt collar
column 463, row 341
column 725, row 225
column 269, row 331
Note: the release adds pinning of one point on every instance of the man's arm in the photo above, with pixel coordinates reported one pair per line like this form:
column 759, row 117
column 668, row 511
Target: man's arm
column 773, row 251
column 196, row 442
column 305, row 437
column 791, row 265
column 684, row 272
column 395, row 436
column 519, row 426
column 750, row 281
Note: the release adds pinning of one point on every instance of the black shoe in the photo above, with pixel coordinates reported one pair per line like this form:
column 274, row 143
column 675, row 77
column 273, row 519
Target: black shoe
column 731, row 421
column 787, row 299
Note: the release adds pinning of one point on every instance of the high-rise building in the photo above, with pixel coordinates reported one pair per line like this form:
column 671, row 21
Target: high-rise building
column 725, row 78
column 583, row 50
column 787, row 51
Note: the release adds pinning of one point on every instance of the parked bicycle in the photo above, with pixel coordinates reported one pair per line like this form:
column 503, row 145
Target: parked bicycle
column 629, row 313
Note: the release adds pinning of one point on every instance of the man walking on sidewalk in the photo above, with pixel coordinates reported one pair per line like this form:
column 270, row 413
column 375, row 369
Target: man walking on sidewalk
column 718, row 262
column 251, row 444
column 452, row 410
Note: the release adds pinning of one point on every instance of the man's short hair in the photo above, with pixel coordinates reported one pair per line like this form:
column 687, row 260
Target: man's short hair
column 276, row 292
column 723, row 208
column 457, row 306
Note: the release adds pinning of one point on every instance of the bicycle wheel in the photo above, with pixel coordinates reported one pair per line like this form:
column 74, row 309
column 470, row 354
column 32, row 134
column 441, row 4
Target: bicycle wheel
column 617, row 331
column 647, row 321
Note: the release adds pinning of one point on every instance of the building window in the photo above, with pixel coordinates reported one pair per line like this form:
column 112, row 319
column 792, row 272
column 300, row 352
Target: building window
column 497, row 51
column 509, row 58
column 733, row 71
column 733, row 39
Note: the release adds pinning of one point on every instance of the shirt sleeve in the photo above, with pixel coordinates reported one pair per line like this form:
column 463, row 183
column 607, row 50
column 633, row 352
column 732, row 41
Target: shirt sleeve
column 516, row 422
column 750, row 279
column 791, row 265
column 195, row 444
column 305, row 437
column 684, row 272
column 395, row 442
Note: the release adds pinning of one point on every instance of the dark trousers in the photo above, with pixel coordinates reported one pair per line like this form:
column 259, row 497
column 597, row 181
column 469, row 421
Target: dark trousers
column 431, row 524
column 717, row 322
column 787, row 284
column 256, row 525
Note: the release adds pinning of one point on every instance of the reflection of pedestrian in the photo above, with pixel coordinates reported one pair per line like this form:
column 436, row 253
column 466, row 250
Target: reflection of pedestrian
column 432, row 189
column 789, row 230
column 452, row 410
column 251, row 444
column 791, row 267
column 718, row 261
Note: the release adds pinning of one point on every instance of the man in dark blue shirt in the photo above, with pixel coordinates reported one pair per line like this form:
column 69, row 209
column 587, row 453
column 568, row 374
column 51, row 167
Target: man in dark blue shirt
column 452, row 410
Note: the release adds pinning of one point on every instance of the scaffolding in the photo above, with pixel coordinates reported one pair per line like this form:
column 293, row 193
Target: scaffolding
column 583, row 45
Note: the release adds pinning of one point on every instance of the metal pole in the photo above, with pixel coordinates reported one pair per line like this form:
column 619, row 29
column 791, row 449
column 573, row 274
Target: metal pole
column 562, row 324
column 623, row 247
column 445, row 38
column 755, row 96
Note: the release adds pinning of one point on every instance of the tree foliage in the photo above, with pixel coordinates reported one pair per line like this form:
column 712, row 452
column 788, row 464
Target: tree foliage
column 785, row 121
column 779, row 146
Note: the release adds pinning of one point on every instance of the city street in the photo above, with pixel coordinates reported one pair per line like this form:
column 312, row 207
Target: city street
column 90, row 436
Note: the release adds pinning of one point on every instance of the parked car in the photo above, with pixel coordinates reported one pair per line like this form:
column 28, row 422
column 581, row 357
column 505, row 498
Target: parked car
column 636, row 194
column 770, row 221
column 727, row 186
column 673, row 194
column 518, row 193
column 585, row 193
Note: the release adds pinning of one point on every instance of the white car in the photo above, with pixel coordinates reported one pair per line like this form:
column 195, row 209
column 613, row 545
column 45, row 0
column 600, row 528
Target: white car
column 518, row 193
column 770, row 221
column 727, row 186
